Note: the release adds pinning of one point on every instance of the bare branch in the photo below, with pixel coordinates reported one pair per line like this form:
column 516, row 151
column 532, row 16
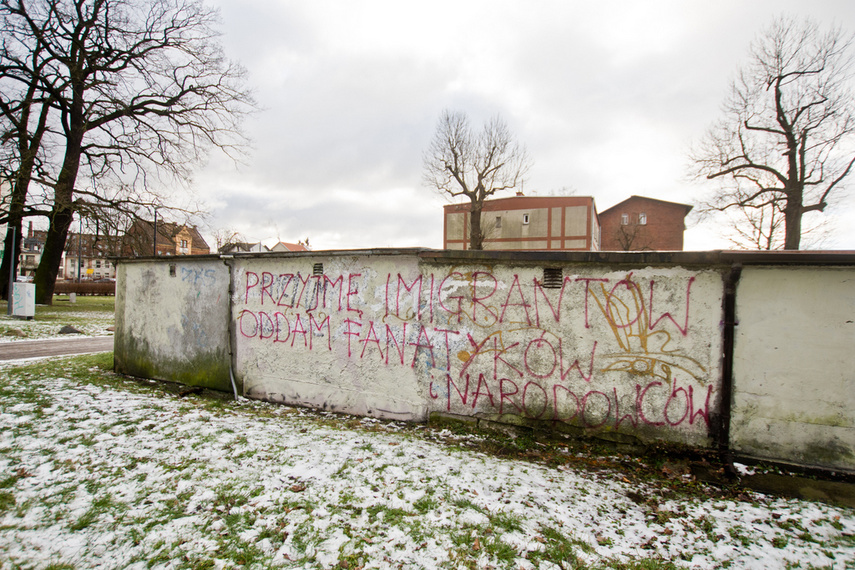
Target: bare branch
column 476, row 166
column 139, row 89
column 786, row 139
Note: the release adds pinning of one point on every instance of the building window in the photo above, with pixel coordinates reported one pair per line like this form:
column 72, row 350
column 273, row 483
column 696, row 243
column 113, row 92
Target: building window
column 498, row 221
column 98, row 264
column 624, row 219
column 642, row 219
column 525, row 218
column 184, row 243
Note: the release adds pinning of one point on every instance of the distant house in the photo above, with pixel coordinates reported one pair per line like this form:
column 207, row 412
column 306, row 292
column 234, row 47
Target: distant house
column 640, row 223
column 172, row 239
column 241, row 247
column 565, row 223
column 31, row 251
column 284, row 246
column 85, row 257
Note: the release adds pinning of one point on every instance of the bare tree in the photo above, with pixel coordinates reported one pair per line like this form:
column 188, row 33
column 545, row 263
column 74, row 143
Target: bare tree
column 632, row 237
column 759, row 228
column 145, row 91
column 225, row 237
column 785, row 142
column 763, row 229
column 459, row 162
column 24, row 113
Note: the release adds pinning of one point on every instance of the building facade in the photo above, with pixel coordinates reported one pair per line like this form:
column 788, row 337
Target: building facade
column 172, row 239
column 526, row 223
column 643, row 224
column 85, row 257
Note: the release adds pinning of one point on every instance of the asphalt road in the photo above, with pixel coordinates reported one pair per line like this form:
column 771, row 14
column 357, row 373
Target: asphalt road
column 19, row 349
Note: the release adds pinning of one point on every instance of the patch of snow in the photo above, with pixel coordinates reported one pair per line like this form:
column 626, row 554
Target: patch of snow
column 744, row 470
column 117, row 478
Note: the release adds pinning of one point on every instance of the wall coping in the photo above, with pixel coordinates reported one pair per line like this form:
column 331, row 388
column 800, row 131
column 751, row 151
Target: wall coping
column 712, row 257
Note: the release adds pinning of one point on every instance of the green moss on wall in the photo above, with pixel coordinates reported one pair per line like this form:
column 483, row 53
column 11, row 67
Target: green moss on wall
column 206, row 369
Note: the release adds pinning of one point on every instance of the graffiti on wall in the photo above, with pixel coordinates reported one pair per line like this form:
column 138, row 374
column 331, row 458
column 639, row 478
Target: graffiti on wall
column 619, row 351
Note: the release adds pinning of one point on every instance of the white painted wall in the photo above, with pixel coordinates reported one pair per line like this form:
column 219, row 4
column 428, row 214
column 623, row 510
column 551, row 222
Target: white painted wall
column 172, row 320
column 624, row 350
column 635, row 350
column 794, row 365
column 295, row 346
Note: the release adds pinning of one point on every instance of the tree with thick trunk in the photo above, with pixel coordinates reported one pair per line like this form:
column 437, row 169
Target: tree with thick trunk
column 785, row 142
column 144, row 92
column 24, row 113
column 459, row 162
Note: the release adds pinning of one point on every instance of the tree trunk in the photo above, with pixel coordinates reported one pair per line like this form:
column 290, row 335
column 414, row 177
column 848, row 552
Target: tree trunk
column 16, row 208
column 48, row 268
column 476, row 237
column 13, row 234
column 10, row 255
column 60, row 220
column 793, row 222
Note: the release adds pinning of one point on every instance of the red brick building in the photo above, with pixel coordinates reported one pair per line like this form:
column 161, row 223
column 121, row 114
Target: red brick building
column 525, row 223
column 640, row 224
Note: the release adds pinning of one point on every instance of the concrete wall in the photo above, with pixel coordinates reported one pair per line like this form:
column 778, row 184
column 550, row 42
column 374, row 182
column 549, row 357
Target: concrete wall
column 794, row 366
column 625, row 346
column 321, row 340
column 630, row 351
column 172, row 319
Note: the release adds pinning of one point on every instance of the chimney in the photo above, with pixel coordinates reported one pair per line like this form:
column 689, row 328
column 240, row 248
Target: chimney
column 30, row 230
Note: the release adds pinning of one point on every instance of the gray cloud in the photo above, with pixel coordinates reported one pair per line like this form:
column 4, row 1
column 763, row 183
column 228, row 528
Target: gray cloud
column 607, row 98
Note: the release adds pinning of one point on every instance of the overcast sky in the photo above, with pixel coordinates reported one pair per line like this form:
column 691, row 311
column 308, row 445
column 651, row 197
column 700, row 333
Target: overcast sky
column 607, row 96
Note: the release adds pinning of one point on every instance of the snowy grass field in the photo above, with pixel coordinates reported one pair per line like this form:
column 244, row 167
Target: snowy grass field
column 101, row 471
column 91, row 315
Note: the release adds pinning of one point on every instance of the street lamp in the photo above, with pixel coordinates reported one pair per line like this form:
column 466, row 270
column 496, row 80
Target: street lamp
column 79, row 249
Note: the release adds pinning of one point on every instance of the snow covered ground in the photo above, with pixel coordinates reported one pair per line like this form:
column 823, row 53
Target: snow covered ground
column 97, row 471
column 92, row 316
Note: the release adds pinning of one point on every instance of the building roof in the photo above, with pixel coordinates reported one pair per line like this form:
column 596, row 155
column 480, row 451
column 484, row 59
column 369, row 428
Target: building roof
column 244, row 247
column 285, row 246
column 687, row 207
column 524, row 202
column 141, row 231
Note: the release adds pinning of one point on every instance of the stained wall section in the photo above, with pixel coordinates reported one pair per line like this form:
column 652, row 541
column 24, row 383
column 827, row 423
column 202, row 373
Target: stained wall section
column 314, row 331
column 625, row 346
column 794, row 365
column 172, row 321
column 633, row 350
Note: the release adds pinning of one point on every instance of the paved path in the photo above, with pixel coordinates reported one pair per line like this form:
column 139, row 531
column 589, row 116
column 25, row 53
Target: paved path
column 18, row 349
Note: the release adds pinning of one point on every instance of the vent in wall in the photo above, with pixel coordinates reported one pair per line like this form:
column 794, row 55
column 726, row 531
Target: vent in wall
column 553, row 278
column 172, row 270
column 318, row 269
